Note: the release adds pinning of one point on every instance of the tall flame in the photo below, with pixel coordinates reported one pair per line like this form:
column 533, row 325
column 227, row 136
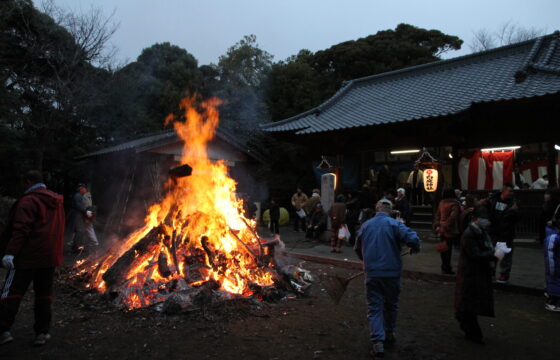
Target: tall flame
column 200, row 218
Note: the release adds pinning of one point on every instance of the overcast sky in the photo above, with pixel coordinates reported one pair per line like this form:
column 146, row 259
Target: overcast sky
column 206, row 28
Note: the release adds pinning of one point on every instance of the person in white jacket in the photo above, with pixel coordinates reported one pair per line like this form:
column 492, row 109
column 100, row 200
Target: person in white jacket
column 541, row 183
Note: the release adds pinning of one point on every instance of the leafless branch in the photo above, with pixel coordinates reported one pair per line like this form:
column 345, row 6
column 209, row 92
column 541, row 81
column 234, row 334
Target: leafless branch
column 508, row 33
column 91, row 30
column 482, row 40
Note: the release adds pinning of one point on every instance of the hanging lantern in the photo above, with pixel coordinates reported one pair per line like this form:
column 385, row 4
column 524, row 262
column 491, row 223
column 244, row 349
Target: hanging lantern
column 430, row 177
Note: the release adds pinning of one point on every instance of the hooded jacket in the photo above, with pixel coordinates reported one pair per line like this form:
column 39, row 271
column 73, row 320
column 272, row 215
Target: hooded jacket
column 35, row 230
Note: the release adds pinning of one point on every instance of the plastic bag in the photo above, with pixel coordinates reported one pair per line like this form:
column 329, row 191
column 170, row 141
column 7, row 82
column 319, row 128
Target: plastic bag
column 343, row 233
column 501, row 250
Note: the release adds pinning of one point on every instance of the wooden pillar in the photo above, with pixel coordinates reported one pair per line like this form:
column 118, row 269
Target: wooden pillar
column 455, row 169
column 552, row 156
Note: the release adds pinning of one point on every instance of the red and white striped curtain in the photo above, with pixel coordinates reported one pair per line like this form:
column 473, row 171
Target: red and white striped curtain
column 534, row 169
column 485, row 170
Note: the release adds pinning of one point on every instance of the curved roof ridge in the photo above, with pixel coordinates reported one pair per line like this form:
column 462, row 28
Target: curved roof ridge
column 494, row 51
column 349, row 84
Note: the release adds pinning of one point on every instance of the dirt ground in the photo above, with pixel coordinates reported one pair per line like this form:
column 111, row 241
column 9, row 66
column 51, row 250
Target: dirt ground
column 312, row 328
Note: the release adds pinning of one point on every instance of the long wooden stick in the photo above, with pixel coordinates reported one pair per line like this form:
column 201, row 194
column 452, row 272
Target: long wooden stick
column 352, row 277
column 242, row 243
column 254, row 234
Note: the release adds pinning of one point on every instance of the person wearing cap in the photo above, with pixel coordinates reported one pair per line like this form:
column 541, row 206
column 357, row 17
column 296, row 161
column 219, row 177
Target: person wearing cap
column 402, row 205
column 317, row 224
column 78, row 213
column 379, row 245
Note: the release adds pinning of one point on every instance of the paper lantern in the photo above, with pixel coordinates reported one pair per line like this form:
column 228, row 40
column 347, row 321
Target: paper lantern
column 430, row 180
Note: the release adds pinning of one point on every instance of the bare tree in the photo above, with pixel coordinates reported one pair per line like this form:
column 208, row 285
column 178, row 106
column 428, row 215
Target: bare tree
column 510, row 33
column 91, row 30
column 483, row 40
column 54, row 78
column 507, row 33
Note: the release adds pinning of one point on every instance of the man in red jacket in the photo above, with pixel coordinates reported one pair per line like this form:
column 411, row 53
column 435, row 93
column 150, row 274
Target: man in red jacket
column 31, row 248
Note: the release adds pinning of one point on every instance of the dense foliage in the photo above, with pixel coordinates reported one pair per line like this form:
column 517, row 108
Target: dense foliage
column 60, row 97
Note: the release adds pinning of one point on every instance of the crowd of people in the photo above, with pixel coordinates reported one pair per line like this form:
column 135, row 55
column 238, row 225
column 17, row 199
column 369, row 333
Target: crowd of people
column 483, row 230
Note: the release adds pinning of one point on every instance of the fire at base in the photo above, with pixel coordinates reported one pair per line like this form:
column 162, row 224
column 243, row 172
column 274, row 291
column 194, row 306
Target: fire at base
column 196, row 235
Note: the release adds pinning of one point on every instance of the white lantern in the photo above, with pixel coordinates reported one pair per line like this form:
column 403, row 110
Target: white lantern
column 430, row 177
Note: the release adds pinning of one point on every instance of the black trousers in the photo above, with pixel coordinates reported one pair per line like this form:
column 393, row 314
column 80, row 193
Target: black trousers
column 446, row 255
column 315, row 233
column 468, row 322
column 274, row 226
column 299, row 222
column 14, row 288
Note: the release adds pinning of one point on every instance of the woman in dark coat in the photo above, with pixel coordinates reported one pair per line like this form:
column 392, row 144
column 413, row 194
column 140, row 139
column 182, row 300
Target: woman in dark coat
column 473, row 293
column 447, row 225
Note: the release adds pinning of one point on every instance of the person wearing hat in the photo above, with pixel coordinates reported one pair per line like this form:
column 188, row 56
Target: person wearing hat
column 78, row 213
column 317, row 224
column 379, row 245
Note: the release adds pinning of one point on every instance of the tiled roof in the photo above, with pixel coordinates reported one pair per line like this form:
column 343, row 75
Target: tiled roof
column 522, row 70
column 167, row 137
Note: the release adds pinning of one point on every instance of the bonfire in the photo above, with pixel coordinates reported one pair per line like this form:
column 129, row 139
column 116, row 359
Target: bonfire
column 195, row 237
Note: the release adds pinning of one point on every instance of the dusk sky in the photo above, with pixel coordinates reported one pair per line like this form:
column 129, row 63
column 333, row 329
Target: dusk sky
column 207, row 28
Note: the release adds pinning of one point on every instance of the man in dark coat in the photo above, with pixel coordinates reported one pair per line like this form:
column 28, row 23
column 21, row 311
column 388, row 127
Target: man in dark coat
column 274, row 212
column 503, row 215
column 473, row 293
column 352, row 215
column 337, row 214
column 385, row 179
column 547, row 213
column 31, row 247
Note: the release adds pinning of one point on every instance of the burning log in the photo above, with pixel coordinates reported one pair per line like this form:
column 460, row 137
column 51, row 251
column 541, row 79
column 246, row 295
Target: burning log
column 206, row 247
column 116, row 274
column 254, row 234
column 180, row 171
column 188, row 240
column 196, row 269
column 163, row 268
column 244, row 245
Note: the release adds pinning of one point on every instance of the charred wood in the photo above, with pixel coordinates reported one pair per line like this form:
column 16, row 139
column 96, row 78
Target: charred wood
column 117, row 272
column 163, row 268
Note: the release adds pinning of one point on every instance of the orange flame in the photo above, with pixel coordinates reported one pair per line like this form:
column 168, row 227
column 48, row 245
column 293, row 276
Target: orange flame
column 201, row 206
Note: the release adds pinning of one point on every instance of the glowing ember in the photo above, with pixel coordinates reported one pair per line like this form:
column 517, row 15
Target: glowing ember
column 195, row 235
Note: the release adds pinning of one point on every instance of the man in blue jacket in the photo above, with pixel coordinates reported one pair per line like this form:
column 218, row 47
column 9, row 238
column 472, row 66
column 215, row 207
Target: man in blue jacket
column 379, row 245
